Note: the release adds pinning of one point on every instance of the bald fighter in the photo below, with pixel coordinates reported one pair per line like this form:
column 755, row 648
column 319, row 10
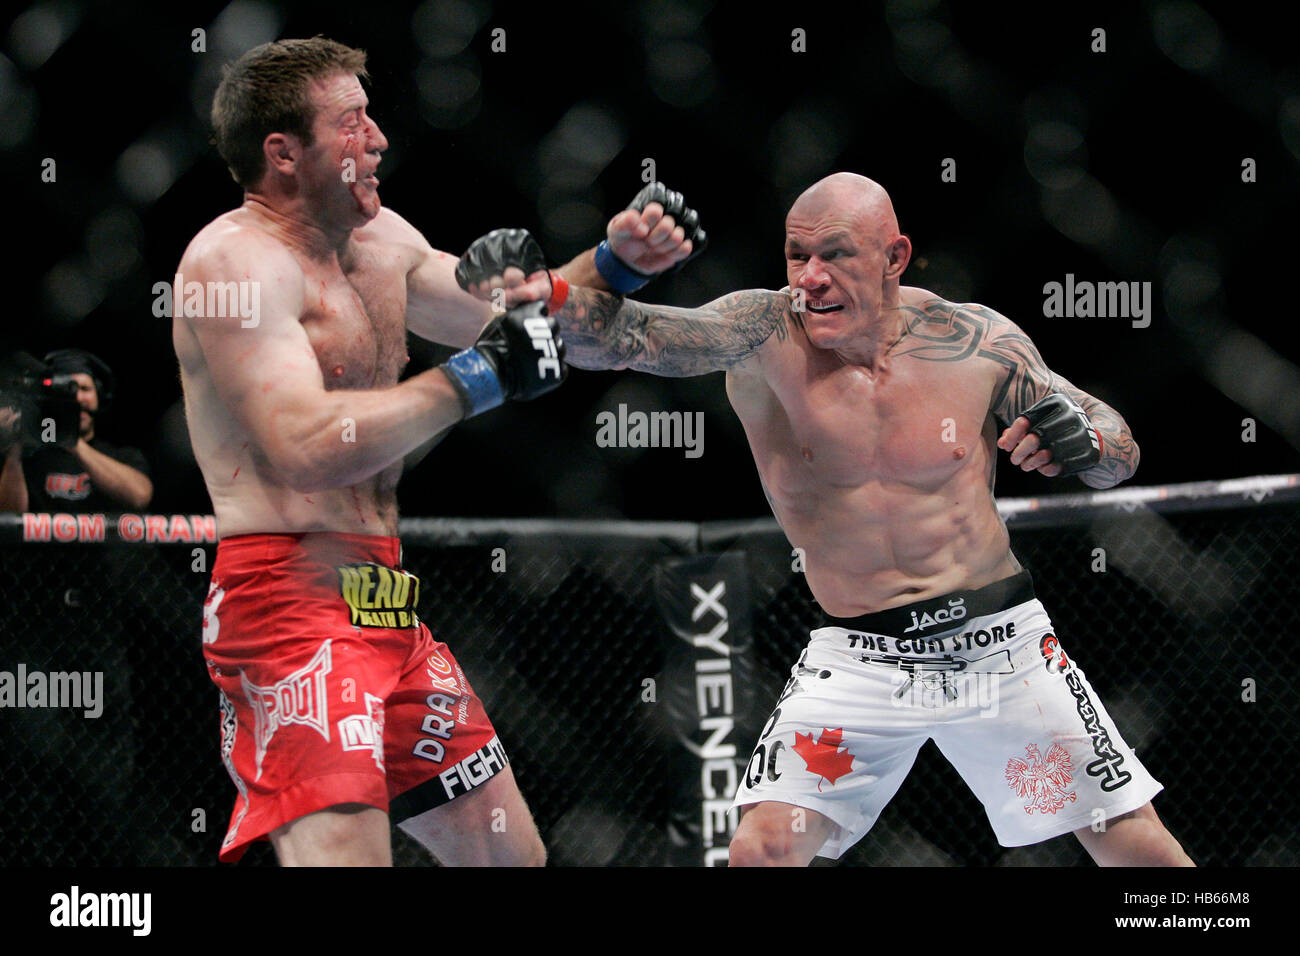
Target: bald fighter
column 338, row 708
column 873, row 410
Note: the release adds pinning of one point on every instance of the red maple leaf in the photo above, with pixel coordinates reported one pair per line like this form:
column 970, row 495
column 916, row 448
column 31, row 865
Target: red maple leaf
column 823, row 757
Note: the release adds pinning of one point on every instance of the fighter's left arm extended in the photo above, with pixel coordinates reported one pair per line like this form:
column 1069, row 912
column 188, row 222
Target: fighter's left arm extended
column 1025, row 386
column 603, row 331
column 438, row 309
column 657, row 232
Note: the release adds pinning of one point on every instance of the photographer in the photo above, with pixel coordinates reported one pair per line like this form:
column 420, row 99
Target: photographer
column 89, row 475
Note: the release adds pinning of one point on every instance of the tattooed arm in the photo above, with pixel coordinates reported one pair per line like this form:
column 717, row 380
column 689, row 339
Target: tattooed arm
column 605, row 331
column 945, row 332
column 1025, row 378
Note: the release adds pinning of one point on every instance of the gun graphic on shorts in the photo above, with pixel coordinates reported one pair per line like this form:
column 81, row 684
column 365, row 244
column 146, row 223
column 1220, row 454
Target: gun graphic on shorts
column 945, row 665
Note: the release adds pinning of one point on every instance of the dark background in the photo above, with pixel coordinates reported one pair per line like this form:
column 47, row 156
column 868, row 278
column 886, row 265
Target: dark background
column 1117, row 166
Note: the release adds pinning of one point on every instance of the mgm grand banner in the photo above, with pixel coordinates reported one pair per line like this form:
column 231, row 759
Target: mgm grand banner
column 98, row 528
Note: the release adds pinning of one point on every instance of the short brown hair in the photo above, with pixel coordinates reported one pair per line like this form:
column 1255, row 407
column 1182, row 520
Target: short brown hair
column 265, row 92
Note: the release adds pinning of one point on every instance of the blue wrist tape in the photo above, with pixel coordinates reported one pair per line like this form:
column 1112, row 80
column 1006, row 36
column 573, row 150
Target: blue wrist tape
column 475, row 380
column 621, row 277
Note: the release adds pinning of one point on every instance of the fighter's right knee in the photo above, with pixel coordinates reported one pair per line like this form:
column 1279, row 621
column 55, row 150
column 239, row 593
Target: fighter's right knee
column 768, row 836
column 755, row 848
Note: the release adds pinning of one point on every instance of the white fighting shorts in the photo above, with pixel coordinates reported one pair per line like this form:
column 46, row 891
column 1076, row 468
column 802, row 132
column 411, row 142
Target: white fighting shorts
column 979, row 672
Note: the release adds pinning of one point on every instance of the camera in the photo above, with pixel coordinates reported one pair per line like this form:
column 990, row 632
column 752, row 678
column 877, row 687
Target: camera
column 38, row 406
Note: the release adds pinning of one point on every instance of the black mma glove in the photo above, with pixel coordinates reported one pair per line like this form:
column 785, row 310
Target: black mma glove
column 620, row 276
column 491, row 255
column 1065, row 429
column 518, row 357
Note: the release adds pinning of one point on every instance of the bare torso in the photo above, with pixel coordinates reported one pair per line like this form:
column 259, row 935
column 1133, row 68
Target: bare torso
column 884, row 479
column 354, row 314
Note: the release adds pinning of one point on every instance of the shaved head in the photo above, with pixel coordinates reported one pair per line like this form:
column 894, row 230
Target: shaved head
column 857, row 197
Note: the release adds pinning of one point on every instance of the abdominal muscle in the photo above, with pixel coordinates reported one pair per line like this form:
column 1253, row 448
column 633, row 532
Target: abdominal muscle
column 885, row 543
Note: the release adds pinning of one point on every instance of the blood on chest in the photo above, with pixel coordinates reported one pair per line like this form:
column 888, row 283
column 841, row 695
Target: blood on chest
column 358, row 344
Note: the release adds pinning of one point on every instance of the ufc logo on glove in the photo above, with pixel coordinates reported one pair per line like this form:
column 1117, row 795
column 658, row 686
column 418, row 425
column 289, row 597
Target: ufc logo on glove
column 539, row 330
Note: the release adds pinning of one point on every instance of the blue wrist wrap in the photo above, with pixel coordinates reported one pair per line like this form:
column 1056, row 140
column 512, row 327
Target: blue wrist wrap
column 475, row 380
column 621, row 277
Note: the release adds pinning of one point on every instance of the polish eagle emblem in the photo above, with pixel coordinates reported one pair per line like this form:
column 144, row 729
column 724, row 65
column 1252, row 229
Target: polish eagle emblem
column 1042, row 781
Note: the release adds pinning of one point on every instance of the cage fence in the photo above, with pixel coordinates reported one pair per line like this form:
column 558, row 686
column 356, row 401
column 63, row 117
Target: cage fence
column 588, row 641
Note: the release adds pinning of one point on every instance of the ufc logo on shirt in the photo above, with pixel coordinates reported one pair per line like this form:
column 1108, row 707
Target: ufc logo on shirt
column 72, row 487
column 539, row 330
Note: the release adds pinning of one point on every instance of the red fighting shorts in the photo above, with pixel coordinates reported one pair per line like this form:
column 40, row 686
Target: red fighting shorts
column 332, row 691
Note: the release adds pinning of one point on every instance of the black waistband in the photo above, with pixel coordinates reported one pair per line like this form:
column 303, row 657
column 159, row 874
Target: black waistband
column 939, row 614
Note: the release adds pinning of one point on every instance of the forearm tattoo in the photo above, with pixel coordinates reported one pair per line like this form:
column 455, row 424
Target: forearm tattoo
column 605, row 331
column 945, row 332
